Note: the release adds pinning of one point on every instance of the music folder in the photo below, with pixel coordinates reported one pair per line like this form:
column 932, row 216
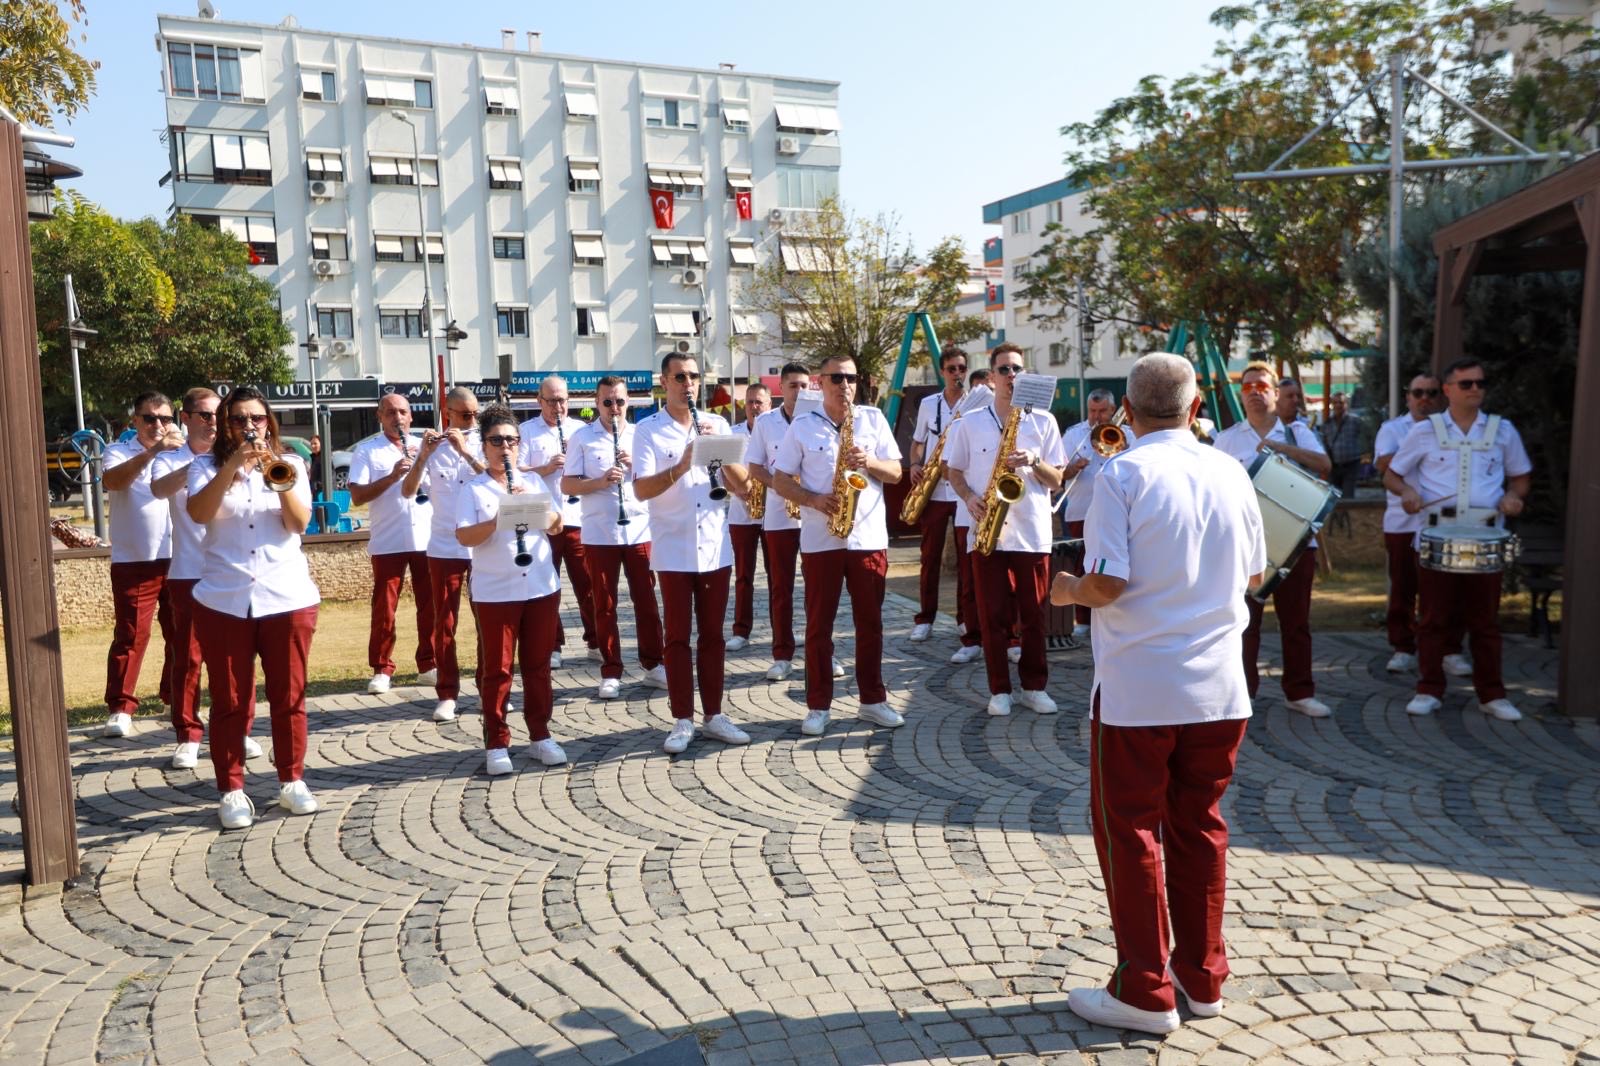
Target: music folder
column 531, row 509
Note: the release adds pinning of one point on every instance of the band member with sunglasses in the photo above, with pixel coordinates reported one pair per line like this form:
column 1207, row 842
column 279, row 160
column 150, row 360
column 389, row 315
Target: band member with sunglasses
column 691, row 552
column 398, row 542
column 1013, row 581
column 449, row 461
column 806, row 472
column 744, row 531
column 255, row 597
column 516, row 592
column 616, row 534
column 1470, row 468
column 1400, row 529
column 934, row 415
column 141, row 552
column 780, row 533
column 1268, row 426
column 544, row 452
column 966, row 587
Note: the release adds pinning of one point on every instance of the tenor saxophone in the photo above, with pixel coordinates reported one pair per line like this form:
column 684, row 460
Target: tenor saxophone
column 847, row 483
column 1005, row 488
column 756, row 504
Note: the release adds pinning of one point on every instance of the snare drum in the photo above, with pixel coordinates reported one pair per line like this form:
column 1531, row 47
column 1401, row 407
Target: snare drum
column 1294, row 504
column 1466, row 549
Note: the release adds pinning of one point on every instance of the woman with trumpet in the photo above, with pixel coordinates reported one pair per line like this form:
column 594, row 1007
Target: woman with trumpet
column 255, row 597
column 516, row 593
column 1089, row 444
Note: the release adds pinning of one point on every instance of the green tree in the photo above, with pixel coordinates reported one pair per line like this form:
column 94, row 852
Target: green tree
column 41, row 74
column 175, row 306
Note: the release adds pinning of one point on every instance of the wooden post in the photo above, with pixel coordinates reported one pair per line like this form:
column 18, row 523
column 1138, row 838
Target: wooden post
column 27, row 576
column 1327, row 390
column 1579, row 673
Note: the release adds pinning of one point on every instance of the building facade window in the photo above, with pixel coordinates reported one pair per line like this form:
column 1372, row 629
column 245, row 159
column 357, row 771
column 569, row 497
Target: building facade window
column 672, row 114
column 675, row 323
column 583, row 175
column 335, row 322
column 588, row 248
column 742, row 252
column 1019, row 270
column 329, row 244
column 806, row 118
column 397, row 322
column 678, row 251
column 508, row 248
column 581, row 103
column 500, row 99
column 593, row 322
column 505, row 173
column 1055, row 211
column 511, row 321
column 392, row 91
column 324, row 164
column 402, row 170
column 1022, row 222
column 222, row 158
column 736, row 118
column 804, row 188
column 1058, row 353
column 402, row 248
column 317, row 85
column 257, row 233
column 214, row 72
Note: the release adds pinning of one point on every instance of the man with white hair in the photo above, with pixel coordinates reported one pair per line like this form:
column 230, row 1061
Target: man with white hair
column 1170, row 700
column 544, row 452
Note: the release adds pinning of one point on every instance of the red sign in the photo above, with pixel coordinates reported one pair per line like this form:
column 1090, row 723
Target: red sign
column 661, row 206
column 741, row 200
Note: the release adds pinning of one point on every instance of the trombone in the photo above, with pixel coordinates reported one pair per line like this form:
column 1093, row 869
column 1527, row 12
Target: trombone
column 1106, row 440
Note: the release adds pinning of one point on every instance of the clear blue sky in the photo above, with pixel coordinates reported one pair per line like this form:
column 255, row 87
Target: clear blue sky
column 946, row 106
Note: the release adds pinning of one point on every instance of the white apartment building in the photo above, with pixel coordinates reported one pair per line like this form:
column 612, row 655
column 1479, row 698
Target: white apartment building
column 537, row 173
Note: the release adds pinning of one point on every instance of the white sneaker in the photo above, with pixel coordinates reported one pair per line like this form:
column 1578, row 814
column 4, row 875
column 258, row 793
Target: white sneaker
column 1401, row 662
column 1421, row 704
column 555, row 660
column 1080, row 631
column 1458, row 665
column 119, row 724
column 296, row 798
column 780, row 671
column 838, row 669
column 721, row 727
column 656, row 676
column 1000, row 704
column 610, row 688
column 737, row 643
column 186, row 756
column 379, row 683
column 428, row 677
column 921, row 632
column 966, row 653
column 1502, row 709
column 881, row 714
column 593, row 652
column 1311, row 707
column 1038, row 701
column 548, row 752
column 1102, row 1008
column 1196, row 1007
column 236, row 811
column 815, row 723
column 252, row 750
column 678, row 739
column 445, row 711
column 1014, row 654
column 497, row 761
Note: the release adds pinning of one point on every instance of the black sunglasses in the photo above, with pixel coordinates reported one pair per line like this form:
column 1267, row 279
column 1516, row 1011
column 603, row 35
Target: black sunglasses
column 683, row 377
column 204, row 416
column 1009, row 370
column 960, row 368
column 842, row 379
column 150, row 420
column 247, row 420
column 614, row 401
column 1471, row 383
column 1420, row 393
column 501, row 441
column 461, row 412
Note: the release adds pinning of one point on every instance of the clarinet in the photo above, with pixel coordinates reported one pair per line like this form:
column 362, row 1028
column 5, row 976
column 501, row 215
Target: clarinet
column 421, row 496
column 717, row 491
column 524, row 557
column 616, row 453
column 561, row 437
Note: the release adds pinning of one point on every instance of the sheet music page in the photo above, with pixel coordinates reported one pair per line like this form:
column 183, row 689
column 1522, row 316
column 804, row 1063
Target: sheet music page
column 524, row 508
column 1034, row 390
column 723, row 448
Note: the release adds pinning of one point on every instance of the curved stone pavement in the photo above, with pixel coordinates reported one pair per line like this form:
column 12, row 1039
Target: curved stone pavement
column 1401, row 890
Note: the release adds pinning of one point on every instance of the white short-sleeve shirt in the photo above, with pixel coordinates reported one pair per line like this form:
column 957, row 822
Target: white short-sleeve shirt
column 765, row 439
column 448, row 473
column 188, row 536
column 934, row 416
column 253, row 565
column 1241, row 441
column 972, row 450
column 688, row 529
column 590, row 453
column 399, row 523
column 1075, row 444
column 810, row 454
column 141, row 529
column 496, row 577
column 542, row 442
column 1391, row 435
column 1179, row 522
column 738, row 513
column 1436, row 470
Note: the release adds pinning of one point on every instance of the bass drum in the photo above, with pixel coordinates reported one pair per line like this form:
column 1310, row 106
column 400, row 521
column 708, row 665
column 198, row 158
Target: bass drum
column 1294, row 504
column 1466, row 549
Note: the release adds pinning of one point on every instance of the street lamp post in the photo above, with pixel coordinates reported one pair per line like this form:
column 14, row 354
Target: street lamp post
column 78, row 336
column 422, row 251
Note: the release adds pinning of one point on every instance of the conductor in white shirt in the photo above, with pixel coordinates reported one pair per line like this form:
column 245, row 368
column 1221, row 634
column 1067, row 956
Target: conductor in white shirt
column 1174, row 541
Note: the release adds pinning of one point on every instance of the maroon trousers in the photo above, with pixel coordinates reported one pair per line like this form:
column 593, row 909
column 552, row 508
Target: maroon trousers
column 936, row 520
column 566, row 549
column 828, row 574
column 604, row 562
column 1449, row 604
column 702, row 599
column 1291, row 602
column 782, row 559
column 183, row 664
column 230, row 646
column 1402, row 617
column 746, row 540
column 971, row 620
column 1013, row 586
column 1080, row 613
column 138, row 592
column 445, row 577
column 520, row 631
column 388, row 578
column 1156, row 791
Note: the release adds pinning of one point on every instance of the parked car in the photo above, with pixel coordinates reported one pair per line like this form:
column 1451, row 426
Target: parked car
column 341, row 461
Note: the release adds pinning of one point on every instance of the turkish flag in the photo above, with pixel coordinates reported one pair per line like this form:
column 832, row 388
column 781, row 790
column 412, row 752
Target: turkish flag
column 661, row 205
column 255, row 256
column 741, row 200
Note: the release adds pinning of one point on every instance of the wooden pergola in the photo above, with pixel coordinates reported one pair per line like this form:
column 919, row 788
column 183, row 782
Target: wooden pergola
column 1552, row 225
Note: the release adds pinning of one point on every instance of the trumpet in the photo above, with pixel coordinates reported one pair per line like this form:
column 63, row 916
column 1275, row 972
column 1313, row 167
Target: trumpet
column 847, row 484
column 616, row 454
column 718, row 492
column 524, row 557
column 279, row 474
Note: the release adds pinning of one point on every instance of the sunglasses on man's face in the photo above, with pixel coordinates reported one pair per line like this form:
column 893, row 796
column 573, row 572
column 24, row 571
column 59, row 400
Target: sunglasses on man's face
column 151, row 420
column 683, row 377
column 501, row 440
column 1008, row 369
column 1471, row 383
column 1255, row 386
column 460, row 412
column 842, row 379
column 247, row 420
column 614, row 402
column 204, row 416
column 1417, row 394
column 956, row 368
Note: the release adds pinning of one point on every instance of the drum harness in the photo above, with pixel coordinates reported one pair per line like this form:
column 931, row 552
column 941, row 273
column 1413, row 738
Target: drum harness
column 1464, row 447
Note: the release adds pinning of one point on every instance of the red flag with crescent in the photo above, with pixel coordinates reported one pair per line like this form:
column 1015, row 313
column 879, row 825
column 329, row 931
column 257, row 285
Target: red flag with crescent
column 741, row 200
column 661, row 205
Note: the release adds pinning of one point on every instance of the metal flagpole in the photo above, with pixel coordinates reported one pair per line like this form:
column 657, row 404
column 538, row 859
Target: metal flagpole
column 1397, row 169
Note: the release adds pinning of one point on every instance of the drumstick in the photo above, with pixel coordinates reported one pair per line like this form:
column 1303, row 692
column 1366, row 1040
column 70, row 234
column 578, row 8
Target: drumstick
column 1434, row 503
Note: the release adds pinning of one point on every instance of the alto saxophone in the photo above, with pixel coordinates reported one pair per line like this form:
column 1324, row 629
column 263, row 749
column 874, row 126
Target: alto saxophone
column 1005, row 488
column 756, row 502
column 847, row 483
column 917, row 499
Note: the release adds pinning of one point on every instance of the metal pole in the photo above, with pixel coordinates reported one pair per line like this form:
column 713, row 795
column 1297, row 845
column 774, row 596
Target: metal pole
column 1397, row 162
column 1083, row 357
column 427, row 282
column 87, row 470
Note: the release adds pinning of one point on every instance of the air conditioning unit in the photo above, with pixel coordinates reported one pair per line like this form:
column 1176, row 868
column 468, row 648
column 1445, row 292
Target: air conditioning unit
column 324, row 268
column 691, row 276
column 775, row 216
column 342, row 348
column 323, row 190
column 686, row 346
column 788, row 146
